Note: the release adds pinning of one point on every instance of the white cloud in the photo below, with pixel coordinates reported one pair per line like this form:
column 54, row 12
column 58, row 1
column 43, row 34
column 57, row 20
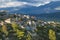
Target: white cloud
column 57, row 8
column 15, row 3
column 12, row 4
column 37, row 4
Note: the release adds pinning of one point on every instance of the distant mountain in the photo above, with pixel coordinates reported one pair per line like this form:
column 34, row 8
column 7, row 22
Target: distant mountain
column 48, row 8
column 48, row 17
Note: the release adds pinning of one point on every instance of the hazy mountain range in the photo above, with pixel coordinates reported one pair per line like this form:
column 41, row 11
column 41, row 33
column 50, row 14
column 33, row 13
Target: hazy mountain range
column 51, row 7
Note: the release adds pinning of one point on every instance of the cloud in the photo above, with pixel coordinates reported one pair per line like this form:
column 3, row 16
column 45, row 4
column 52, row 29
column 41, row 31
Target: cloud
column 16, row 3
column 36, row 2
column 57, row 8
column 12, row 4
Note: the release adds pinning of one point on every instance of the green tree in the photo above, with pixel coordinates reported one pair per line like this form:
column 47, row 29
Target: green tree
column 28, row 37
column 4, row 29
column 52, row 35
column 20, row 33
column 15, row 26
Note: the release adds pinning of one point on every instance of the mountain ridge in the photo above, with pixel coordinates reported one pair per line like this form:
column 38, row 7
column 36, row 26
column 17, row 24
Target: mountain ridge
column 48, row 8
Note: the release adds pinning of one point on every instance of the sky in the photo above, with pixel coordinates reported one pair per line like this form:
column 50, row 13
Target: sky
column 21, row 3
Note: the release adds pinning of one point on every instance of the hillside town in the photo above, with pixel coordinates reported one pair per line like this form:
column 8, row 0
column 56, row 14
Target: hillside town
column 25, row 27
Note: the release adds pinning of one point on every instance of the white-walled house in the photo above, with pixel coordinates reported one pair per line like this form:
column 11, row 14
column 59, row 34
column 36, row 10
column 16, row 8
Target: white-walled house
column 8, row 20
